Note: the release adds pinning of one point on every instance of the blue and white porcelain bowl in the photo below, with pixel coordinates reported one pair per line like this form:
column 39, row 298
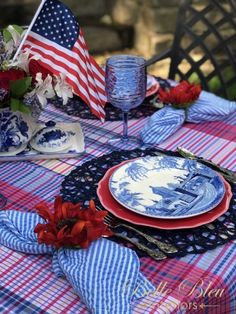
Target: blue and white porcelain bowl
column 50, row 139
column 15, row 131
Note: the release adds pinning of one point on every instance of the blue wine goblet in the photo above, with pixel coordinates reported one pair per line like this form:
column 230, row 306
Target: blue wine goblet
column 125, row 89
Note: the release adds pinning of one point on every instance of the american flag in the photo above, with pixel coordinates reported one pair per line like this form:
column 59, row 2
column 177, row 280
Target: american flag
column 57, row 39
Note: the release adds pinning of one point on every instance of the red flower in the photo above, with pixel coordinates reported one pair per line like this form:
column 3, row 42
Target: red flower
column 10, row 75
column 180, row 96
column 35, row 67
column 70, row 225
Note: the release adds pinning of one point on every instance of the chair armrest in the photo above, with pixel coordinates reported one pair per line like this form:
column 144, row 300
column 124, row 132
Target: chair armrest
column 164, row 55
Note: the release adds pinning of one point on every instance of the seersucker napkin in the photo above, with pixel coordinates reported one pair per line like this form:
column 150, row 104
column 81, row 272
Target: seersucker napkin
column 106, row 276
column 168, row 120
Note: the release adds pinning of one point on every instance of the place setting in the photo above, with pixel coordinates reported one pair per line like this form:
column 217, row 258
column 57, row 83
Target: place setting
column 158, row 200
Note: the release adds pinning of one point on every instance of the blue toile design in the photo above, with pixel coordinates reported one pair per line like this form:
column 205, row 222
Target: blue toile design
column 133, row 199
column 136, row 171
column 168, row 187
column 14, row 131
column 52, row 135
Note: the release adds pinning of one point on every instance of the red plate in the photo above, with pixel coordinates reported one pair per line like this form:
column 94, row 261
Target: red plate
column 152, row 85
column 120, row 211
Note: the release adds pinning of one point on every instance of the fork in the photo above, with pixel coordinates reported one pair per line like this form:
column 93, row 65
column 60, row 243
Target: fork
column 155, row 254
column 114, row 223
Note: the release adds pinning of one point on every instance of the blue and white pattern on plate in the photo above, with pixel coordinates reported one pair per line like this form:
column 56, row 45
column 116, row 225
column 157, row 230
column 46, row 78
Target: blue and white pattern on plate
column 166, row 187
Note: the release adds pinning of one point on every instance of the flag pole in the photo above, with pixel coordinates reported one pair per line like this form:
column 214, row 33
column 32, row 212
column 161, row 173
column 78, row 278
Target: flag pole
column 29, row 29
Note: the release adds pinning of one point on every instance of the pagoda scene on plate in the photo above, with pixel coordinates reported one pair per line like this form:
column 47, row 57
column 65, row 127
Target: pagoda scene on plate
column 168, row 187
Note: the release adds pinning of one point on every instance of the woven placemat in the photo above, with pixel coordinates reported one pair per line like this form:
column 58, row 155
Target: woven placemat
column 81, row 185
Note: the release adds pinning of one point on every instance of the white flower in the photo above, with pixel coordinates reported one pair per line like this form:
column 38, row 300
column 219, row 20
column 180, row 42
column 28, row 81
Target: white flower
column 12, row 44
column 43, row 89
column 16, row 36
column 62, row 88
column 22, row 61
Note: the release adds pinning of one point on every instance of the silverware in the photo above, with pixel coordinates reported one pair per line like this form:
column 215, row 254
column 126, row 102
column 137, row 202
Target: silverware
column 115, row 223
column 156, row 254
column 227, row 174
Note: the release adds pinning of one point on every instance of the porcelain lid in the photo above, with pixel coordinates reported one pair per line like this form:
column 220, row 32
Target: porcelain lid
column 50, row 139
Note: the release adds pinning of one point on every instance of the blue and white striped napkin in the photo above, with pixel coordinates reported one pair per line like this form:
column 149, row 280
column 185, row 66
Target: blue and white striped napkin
column 168, row 120
column 106, row 276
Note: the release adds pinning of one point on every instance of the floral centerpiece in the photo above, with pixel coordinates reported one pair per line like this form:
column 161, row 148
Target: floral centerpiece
column 24, row 84
column 25, row 89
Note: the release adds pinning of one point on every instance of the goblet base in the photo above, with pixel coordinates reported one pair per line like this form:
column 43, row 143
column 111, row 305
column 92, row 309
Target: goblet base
column 125, row 142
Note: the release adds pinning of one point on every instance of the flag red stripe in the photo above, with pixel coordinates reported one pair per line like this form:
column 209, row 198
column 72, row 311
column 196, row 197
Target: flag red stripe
column 88, row 71
column 71, row 71
column 78, row 48
column 84, row 78
column 94, row 64
column 89, row 68
column 68, row 57
column 91, row 102
column 59, row 63
column 98, row 111
column 95, row 111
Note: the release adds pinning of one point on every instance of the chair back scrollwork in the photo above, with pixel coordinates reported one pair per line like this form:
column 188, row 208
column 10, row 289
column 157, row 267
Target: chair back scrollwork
column 204, row 46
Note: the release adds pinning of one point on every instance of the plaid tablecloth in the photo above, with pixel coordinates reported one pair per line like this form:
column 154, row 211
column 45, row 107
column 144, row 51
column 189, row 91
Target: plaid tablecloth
column 202, row 283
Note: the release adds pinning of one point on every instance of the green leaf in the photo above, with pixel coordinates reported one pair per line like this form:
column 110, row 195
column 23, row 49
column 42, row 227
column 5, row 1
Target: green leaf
column 18, row 28
column 14, row 104
column 6, row 35
column 24, row 108
column 18, row 105
column 19, row 87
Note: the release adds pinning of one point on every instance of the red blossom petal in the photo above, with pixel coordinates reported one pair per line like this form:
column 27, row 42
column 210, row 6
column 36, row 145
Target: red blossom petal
column 180, row 95
column 88, row 227
column 77, row 228
column 10, row 75
column 44, row 212
column 62, row 233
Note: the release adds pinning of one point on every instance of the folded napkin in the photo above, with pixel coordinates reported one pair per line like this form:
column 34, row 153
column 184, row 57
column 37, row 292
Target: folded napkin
column 168, row 120
column 106, row 276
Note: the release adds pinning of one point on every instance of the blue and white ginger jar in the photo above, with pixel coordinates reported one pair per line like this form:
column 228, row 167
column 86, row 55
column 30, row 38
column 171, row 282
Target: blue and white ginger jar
column 16, row 131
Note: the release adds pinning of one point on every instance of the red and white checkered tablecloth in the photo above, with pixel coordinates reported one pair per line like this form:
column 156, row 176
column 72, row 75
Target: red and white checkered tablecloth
column 203, row 283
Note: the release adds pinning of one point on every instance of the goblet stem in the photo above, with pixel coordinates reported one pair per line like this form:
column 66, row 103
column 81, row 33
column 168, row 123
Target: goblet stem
column 125, row 125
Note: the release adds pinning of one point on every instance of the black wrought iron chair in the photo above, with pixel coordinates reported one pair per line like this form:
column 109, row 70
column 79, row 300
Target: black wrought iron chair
column 204, row 46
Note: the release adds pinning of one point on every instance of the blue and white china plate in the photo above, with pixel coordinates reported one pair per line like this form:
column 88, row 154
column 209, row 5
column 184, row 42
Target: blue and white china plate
column 166, row 187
